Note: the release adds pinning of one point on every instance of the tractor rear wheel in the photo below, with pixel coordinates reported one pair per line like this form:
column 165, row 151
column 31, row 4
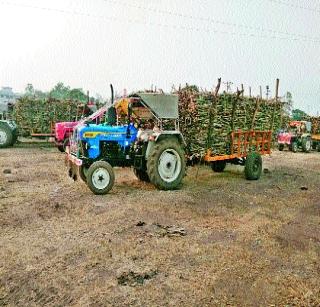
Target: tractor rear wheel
column 6, row 136
column 141, row 175
column 100, row 177
column 306, row 144
column 281, row 147
column 253, row 166
column 218, row 166
column 166, row 165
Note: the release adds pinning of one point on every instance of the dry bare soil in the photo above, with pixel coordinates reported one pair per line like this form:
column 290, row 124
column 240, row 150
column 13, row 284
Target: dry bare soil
column 219, row 240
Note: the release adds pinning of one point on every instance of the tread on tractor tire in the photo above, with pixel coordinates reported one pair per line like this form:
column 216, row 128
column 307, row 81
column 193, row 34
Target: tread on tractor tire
column 281, row 147
column 141, row 175
column 306, row 144
column 253, row 166
column 218, row 166
column 100, row 177
column 6, row 136
column 83, row 173
column 166, row 165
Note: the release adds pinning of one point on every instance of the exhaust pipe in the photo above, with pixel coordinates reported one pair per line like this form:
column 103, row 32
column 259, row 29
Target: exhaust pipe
column 112, row 94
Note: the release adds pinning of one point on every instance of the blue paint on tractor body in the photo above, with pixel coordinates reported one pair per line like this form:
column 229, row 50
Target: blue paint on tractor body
column 124, row 136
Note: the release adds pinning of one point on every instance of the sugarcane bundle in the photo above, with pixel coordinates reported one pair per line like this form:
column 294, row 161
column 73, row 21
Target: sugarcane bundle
column 207, row 120
column 315, row 124
column 39, row 115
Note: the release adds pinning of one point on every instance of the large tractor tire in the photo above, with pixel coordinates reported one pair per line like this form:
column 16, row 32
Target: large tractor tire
column 166, row 165
column 281, row 147
column 253, row 166
column 218, row 166
column 141, row 175
column 83, row 173
column 100, row 177
column 306, row 144
column 6, row 136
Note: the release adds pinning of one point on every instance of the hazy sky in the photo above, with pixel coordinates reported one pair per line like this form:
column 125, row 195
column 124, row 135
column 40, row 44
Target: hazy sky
column 136, row 43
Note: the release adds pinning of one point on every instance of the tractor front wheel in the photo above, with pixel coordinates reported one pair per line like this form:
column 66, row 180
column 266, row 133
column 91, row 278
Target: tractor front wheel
column 218, row 166
column 166, row 164
column 294, row 147
column 253, row 166
column 281, row 147
column 100, row 177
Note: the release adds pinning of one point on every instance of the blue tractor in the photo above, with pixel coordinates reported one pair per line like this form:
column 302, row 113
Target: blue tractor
column 133, row 135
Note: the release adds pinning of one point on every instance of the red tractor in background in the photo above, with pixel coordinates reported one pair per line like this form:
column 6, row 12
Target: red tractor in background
column 298, row 135
column 64, row 130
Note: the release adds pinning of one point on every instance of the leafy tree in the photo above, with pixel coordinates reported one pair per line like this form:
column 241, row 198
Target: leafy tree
column 29, row 90
column 77, row 94
column 299, row 115
column 60, row 91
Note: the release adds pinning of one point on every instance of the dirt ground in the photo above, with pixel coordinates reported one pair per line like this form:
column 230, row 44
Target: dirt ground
column 218, row 241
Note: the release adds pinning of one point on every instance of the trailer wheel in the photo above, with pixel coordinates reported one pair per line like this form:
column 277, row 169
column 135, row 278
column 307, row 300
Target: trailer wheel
column 100, row 177
column 6, row 136
column 141, row 175
column 218, row 166
column 60, row 148
column 83, row 172
column 253, row 166
column 281, row 147
column 306, row 144
column 318, row 147
column 166, row 164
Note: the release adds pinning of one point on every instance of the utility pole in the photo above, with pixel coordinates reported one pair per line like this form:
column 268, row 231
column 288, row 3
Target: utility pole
column 260, row 92
column 267, row 92
column 228, row 86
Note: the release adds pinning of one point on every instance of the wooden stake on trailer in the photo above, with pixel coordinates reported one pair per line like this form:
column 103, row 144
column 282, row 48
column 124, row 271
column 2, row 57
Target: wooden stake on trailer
column 275, row 104
column 211, row 115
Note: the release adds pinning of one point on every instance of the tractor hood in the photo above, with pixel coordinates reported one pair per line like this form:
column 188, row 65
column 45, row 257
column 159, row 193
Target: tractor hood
column 163, row 106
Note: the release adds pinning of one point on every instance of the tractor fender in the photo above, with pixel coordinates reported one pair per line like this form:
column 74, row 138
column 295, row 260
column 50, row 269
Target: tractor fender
column 164, row 134
column 306, row 135
column 158, row 136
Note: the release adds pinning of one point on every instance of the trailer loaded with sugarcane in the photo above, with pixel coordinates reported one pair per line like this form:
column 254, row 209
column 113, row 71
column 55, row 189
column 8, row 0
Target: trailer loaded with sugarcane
column 228, row 128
